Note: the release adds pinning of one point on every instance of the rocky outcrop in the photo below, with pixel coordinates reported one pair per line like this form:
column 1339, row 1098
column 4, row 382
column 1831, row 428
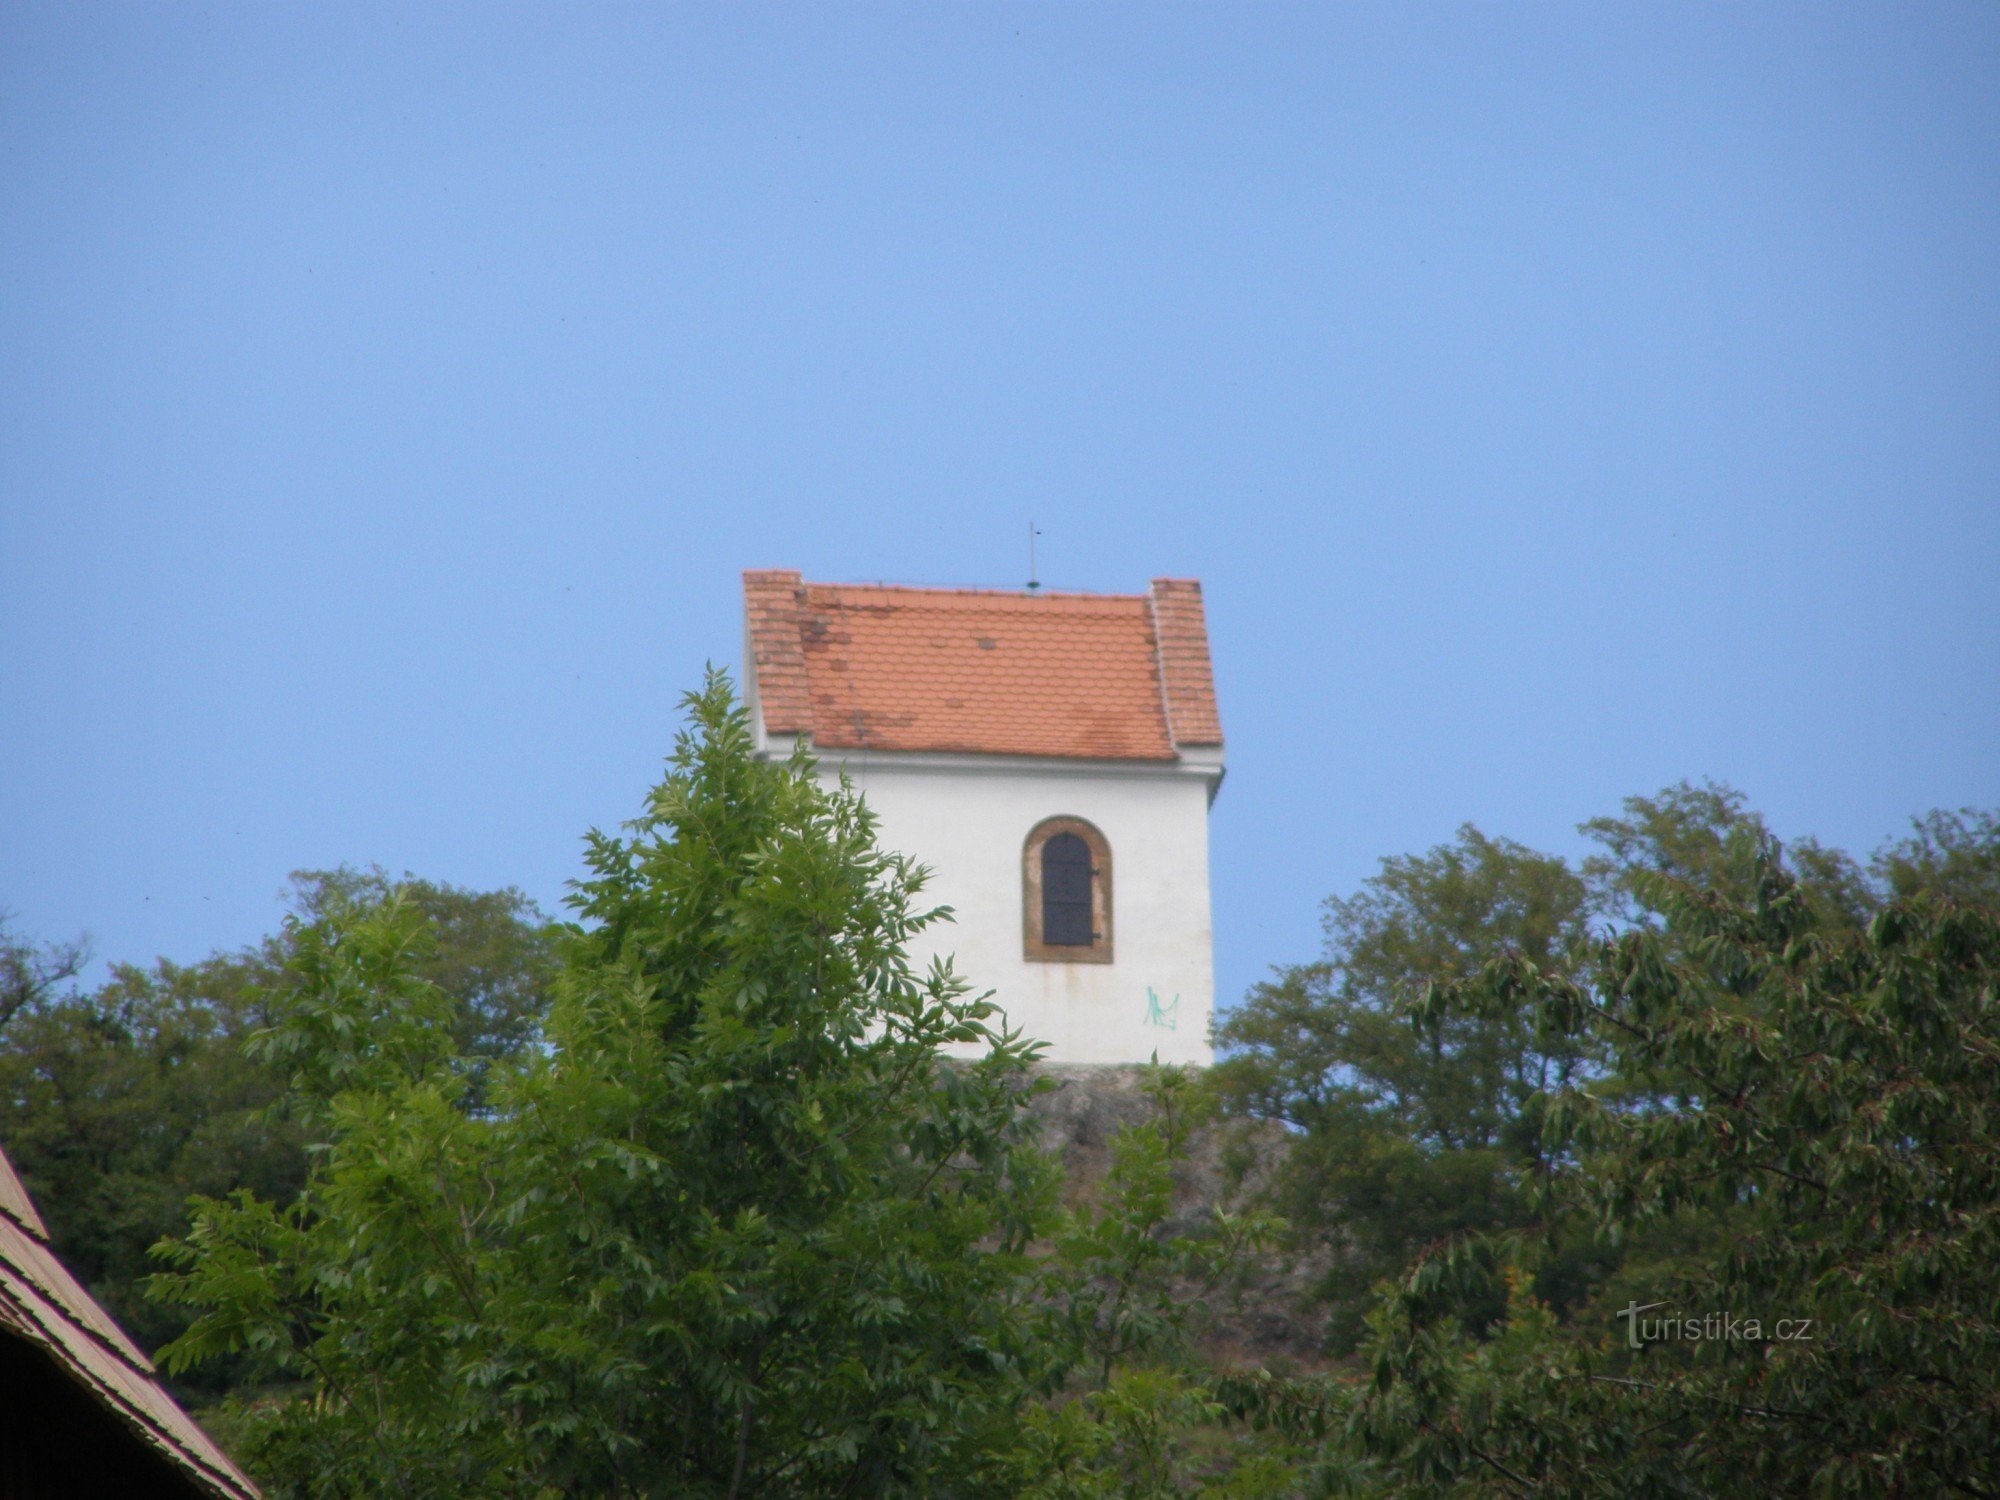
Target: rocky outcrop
column 1266, row 1319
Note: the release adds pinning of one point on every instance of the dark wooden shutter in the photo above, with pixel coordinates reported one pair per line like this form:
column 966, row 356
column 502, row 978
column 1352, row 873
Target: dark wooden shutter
column 1066, row 892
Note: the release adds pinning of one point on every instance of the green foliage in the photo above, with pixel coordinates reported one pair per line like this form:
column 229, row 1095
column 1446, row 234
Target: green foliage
column 1701, row 835
column 738, row 1228
column 492, row 953
column 1410, row 1140
column 1331, row 1035
column 722, row 1219
column 1149, row 1433
column 118, row 1104
column 1955, row 854
column 1406, row 1139
column 1837, row 1116
column 30, row 972
column 1706, row 836
column 1130, row 1412
column 1126, row 1289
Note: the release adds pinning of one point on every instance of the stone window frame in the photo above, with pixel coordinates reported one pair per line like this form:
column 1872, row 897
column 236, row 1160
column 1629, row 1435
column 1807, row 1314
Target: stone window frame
column 1032, row 947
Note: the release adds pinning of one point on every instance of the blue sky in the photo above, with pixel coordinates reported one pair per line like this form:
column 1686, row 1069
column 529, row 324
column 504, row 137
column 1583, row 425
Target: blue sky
column 1555, row 402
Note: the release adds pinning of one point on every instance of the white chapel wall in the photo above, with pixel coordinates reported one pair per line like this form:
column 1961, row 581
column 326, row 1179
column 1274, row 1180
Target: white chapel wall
column 969, row 825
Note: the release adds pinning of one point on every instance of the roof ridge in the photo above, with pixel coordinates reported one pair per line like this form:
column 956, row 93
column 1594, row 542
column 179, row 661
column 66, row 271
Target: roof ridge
column 978, row 591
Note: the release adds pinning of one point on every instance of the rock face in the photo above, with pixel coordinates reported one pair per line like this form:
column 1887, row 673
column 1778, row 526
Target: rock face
column 1267, row 1320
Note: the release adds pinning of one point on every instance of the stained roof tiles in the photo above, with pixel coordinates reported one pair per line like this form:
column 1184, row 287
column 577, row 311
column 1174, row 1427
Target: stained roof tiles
column 990, row 672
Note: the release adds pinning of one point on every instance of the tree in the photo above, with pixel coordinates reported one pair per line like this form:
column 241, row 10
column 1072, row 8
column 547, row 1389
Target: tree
column 1707, row 836
column 30, row 972
column 738, row 1228
column 1704, row 835
column 1405, row 1138
column 1955, row 854
column 1408, row 1139
column 1843, row 1339
column 492, row 953
column 119, row 1103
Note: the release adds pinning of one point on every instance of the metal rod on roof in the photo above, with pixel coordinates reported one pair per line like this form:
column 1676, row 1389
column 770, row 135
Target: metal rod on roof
column 1033, row 582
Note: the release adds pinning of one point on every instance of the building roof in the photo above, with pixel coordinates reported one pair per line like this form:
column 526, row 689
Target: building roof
column 982, row 671
column 42, row 1303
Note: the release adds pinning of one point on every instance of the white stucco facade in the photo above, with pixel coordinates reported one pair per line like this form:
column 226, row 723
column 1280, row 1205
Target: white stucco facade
column 968, row 818
column 1050, row 758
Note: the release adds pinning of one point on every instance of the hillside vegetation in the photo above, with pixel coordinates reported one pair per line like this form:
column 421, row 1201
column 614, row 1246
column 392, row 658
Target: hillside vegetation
column 1510, row 1191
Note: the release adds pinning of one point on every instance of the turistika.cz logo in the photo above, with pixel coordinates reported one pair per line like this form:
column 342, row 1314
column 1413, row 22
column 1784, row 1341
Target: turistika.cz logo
column 1708, row 1327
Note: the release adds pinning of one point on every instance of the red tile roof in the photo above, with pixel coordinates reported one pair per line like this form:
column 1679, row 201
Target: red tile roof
column 990, row 672
column 41, row 1302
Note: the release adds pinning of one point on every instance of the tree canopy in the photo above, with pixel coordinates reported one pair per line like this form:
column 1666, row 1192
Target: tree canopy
column 1406, row 1137
column 1832, row 1108
column 120, row 1101
column 1749, row 1238
column 1670, row 1170
column 738, row 1228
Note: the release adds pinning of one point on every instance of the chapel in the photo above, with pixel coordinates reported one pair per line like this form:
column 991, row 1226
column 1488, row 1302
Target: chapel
column 1050, row 756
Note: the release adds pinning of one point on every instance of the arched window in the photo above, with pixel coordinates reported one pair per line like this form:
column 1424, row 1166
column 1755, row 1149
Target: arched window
column 1066, row 893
